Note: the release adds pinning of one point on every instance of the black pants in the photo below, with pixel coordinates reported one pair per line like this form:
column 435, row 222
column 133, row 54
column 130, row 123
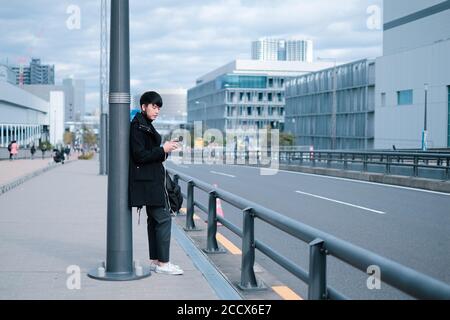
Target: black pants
column 159, row 223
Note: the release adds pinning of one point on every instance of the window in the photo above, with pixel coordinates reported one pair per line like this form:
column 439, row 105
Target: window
column 383, row 99
column 249, row 111
column 260, row 96
column 270, row 83
column 231, row 96
column 280, row 98
column 248, row 96
column 269, row 96
column 260, row 111
column 241, row 96
column 404, row 97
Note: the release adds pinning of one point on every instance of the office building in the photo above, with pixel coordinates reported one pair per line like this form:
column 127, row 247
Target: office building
column 282, row 50
column 35, row 73
column 318, row 119
column 415, row 64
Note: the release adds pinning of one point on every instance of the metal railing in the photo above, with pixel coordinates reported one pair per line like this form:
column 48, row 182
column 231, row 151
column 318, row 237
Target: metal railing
column 321, row 245
column 411, row 160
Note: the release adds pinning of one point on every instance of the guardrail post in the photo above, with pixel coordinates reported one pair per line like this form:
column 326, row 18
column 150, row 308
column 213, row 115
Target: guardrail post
column 388, row 165
column 190, row 225
column 446, row 169
column 345, row 162
column 211, row 241
column 301, row 158
column 176, row 178
column 365, row 162
column 248, row 278
column 415, row 166
column 317, row 289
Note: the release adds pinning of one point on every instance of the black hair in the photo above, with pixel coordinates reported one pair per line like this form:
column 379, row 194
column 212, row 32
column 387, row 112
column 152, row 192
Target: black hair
column 151, row 97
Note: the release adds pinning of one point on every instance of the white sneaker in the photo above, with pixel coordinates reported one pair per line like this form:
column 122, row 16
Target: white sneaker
column 169, row 268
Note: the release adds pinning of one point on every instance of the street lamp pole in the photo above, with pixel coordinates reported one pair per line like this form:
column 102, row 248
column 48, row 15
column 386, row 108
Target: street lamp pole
column 119, row 243
column 424, row 132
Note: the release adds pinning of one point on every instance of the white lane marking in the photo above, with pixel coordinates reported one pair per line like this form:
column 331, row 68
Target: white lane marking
column 223, row 174
column 350, row 180
column 341, row 202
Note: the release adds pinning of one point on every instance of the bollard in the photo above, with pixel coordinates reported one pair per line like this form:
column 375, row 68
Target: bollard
column 317, row 289
column 248, row 278
column 211, row 243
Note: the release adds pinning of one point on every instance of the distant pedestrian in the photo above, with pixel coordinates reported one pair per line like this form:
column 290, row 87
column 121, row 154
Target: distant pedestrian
column 14, row 150
column 33, row 151
column 67, row 152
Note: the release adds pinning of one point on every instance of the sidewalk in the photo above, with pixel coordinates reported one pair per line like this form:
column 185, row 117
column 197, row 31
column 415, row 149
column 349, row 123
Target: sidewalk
column 58, row 219
column 10, row 170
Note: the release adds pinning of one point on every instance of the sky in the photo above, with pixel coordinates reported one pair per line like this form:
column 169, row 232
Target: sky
column 174, row 42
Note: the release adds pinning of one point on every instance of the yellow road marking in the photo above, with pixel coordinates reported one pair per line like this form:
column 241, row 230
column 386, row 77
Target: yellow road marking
column 286, row 293
column 228, row 244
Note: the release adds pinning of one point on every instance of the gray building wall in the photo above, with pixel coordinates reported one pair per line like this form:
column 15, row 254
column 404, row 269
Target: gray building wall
column 23, row 116
column 74, row 97
column 309, row 101
column 416, row 52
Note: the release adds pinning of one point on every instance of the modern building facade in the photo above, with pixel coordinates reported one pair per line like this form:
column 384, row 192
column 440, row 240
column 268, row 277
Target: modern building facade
column 416, row 51
column 333, row 114
column 35, row 73
column 25, row 117
column 245, row 94
column 74, row 97
column 7, row 74
column 282, row 50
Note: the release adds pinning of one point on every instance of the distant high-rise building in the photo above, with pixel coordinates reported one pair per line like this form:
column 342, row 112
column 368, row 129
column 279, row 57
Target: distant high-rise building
column 282, row 50
column 35, row 73
column 6, row 74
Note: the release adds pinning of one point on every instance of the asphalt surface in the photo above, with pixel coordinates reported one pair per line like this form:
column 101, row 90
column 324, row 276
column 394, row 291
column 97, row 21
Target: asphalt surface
column 409, row 226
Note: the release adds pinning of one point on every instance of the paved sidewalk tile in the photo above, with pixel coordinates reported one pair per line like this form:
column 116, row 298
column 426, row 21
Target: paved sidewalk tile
column 58, row 219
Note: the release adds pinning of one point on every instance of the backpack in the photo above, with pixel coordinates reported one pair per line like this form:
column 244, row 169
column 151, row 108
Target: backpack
column 9, row 147
column 174, row 194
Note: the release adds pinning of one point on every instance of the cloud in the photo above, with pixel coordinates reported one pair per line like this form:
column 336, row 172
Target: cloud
column 173, row 42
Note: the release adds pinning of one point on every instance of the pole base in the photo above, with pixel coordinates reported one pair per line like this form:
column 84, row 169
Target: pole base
column 192, row 229
column 218, row 251
column 119, row 276
column 260, row 286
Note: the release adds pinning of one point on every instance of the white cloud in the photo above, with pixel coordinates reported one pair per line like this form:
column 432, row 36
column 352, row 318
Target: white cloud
column 173, row 42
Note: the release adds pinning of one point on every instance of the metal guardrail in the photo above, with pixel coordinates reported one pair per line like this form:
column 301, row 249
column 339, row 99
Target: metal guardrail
column 321, row 245
column 413, row 161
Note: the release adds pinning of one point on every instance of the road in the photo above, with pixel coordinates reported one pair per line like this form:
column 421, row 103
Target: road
column 409, row 226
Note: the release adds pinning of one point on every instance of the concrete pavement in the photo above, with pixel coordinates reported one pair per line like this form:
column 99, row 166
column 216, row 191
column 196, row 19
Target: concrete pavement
column 58, row 220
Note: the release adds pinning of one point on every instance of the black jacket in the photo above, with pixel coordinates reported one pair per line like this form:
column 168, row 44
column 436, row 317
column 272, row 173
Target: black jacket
column 146, row 174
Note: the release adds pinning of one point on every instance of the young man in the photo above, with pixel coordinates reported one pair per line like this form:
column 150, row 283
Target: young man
column 146, row 181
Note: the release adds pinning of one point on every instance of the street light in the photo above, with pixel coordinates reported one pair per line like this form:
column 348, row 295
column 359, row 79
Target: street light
column 334, row 107
column 119, row 241
column 424, row 132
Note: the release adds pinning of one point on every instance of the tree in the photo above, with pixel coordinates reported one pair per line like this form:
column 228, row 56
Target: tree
column 287, row 139
column 89, row 137
column 68, row 137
